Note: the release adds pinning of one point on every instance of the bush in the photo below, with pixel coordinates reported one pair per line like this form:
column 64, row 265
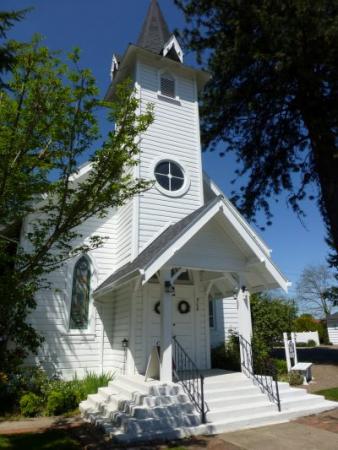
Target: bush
column 295, row 378
column 60, row 402
column 227, row 356
column 309, row 343
column 281, row 366
column 92, row 382
column 30, row 405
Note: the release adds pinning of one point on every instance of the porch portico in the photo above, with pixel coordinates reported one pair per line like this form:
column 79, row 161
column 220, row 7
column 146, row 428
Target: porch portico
column 223, row 258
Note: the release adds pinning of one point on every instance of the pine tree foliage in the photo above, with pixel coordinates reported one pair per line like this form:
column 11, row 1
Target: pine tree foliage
column 273, row 97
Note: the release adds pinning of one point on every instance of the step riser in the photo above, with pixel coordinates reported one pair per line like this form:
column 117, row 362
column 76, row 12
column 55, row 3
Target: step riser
column 231, row 393
column 217, row 416
column 224, row 403
column 130, row 384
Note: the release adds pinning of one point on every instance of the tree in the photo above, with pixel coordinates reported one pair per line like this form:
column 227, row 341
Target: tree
column 273, row 97
column 48, row 123
column 271, row 316
column 315, row 291
column 7, row 56
column 306, row 322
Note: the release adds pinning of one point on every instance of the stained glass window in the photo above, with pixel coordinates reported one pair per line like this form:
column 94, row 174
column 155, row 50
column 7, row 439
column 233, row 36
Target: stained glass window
column 80, row 295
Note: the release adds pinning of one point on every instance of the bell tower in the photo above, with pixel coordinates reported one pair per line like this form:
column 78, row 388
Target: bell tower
column 170, row 148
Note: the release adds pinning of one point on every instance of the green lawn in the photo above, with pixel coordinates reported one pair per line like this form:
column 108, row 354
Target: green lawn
column 50, row 440
column 329, row 394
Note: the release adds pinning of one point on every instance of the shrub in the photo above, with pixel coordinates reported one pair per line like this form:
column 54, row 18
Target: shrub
column 227, row 356
column 281, row 367
column 62, row 401
column 30, row 405
column 92, row 382
column 311, row 343
column 295, row 378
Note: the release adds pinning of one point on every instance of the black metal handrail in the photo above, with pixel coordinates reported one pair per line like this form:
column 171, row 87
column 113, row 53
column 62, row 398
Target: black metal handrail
column 262, row 371
column 186, row 372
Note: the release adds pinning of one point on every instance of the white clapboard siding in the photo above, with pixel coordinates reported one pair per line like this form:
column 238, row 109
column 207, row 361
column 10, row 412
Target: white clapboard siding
column 212, row 247
column 116, row 322
column 332, row 329
column 140, row 352
column 173, row 135
column 225, row 320
column 64, row 351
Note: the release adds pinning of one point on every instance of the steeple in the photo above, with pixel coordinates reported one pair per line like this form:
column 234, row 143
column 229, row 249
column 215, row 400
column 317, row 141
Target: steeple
column 155, row 32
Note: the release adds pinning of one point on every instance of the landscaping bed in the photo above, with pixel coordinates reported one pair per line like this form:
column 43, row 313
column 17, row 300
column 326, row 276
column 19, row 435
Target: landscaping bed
column 29, row 392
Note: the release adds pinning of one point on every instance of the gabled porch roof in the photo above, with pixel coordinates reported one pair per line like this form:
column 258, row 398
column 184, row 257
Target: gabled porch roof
column 168, row 248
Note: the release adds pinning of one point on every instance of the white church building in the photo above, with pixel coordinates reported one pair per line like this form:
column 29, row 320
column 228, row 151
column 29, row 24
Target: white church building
column 141, row 306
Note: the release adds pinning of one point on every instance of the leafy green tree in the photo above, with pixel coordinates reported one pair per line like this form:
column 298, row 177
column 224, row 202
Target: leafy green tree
column 316, row 292
column 306, row 322
column 273, row 97
column 271, row 316
column 48, row 124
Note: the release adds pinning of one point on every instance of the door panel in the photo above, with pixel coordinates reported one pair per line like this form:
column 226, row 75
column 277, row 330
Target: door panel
column 183, row 324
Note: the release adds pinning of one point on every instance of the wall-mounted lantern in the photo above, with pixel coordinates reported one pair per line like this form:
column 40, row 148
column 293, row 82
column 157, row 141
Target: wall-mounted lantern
column 125, row 343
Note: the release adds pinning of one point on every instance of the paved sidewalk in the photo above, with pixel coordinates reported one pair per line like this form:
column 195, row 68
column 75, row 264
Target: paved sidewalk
column 316, row 432
column 286, row 436
column 39, row 425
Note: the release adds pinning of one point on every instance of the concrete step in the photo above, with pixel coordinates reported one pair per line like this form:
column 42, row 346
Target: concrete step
column 237, row 411
column 240, row 391
column 265, row 418
column 133, row 383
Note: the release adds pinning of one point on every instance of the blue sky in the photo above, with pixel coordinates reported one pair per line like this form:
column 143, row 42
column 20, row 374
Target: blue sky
column 102, row 27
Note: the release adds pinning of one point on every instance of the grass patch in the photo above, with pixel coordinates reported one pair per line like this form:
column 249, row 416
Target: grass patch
column 329, row 394
column 50, row 440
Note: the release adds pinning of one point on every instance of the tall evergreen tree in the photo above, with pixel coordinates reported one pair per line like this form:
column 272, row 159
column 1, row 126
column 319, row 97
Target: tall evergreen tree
column 7, row 55
column 273, row 97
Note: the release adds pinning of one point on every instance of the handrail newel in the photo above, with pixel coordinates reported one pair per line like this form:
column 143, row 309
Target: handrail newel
column 261, row 371
column 186, row 372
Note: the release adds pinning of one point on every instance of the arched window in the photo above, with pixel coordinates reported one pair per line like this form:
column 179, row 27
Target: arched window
column 79, row 311
column 168, row 85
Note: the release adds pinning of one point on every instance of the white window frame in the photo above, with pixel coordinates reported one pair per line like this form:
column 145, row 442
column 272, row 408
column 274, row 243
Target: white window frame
column 90, row 330
column 213, row 309
column 186, row 183
column 159, row 92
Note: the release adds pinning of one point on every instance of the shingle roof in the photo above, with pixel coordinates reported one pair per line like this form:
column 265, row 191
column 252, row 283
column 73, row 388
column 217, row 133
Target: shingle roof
column 158, row 246
column 155, row 32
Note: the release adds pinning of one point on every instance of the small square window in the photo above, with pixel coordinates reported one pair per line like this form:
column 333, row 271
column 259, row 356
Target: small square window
column 168, row 86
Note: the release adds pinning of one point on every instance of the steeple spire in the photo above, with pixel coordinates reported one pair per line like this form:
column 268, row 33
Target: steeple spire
column 155, row 32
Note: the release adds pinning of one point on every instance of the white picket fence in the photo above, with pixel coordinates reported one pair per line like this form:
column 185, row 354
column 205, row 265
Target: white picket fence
column 306, row 336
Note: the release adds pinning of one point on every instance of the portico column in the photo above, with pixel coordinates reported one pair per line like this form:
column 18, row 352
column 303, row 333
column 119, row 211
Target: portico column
column 245, row 328
column 166, row 327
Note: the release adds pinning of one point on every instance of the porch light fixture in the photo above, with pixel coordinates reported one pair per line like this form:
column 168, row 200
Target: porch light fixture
column 243, row 289
column 169, row 288
column 125, row 343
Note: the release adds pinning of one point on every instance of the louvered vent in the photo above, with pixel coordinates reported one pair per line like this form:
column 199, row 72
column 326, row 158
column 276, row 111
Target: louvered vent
column 168, row 86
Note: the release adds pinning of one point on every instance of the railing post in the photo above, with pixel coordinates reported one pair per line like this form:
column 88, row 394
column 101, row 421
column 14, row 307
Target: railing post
column 275, row 378
column 203, row 415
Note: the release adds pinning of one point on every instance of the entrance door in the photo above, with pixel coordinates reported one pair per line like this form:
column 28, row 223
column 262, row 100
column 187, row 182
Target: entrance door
column 183, row 318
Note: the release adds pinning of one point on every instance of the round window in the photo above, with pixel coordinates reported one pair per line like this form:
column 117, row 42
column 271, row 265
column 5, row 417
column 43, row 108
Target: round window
column 169, row 175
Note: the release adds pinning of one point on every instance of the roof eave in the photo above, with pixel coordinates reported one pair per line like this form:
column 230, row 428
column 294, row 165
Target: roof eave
column 100, row 292
column 202, row 77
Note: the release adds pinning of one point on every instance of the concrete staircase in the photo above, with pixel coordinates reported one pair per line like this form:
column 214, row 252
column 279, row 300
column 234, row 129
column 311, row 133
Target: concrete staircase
column 131, row 410
column 236, row 403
